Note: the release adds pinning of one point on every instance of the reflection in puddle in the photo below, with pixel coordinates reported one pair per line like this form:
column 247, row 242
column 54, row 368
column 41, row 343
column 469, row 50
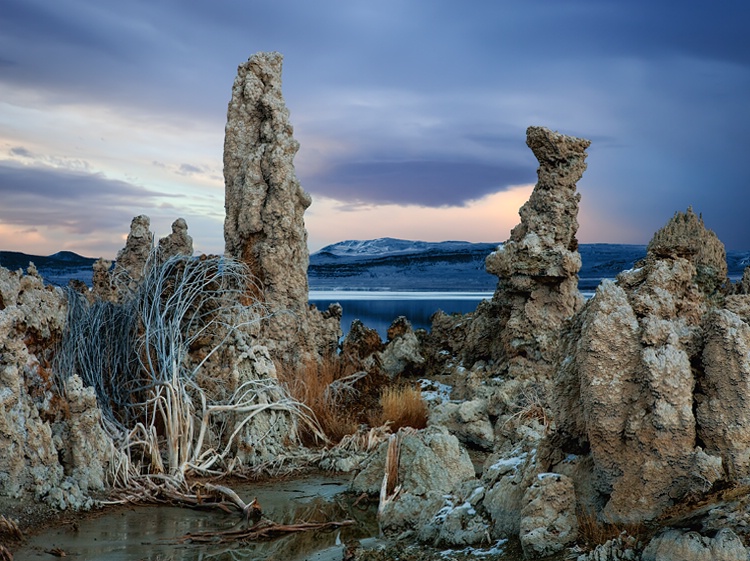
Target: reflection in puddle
column 152, row 533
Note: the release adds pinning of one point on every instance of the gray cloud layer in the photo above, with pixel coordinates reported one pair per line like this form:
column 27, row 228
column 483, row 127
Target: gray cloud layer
column 663, row 87
column 75, row 202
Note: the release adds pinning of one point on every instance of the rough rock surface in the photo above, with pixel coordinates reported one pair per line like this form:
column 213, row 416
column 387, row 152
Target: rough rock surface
column 467, row 420
column 686, row 236
column 431, row 460
column 506, row 478
column 361, row 344
column 548, row 519
column 36, row 461
column 722, row 414
column 102, row 284
column 176, row 243
column 401, row 354
column 537, row 267
column 650, row 382
column 458, row 522
column 132, row 259
column 265, row 204
column 622, row 548
column 692, row 546
column 431, row 464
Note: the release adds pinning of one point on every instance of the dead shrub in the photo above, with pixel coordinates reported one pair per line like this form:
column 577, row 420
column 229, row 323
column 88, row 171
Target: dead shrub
column 593, row 532
column 311, row 385
column 402, row 407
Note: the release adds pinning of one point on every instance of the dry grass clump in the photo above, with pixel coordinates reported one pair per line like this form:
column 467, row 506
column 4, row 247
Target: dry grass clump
column 593, row 532
column 531, row 405
column 403, row 407
column 325, row 388
column 342, row 399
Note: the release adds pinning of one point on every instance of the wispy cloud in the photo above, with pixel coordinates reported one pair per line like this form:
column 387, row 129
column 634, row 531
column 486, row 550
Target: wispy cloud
column 71, row 201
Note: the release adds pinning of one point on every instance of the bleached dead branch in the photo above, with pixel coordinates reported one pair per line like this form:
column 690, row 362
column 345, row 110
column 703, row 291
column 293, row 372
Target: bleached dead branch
column 167, row 418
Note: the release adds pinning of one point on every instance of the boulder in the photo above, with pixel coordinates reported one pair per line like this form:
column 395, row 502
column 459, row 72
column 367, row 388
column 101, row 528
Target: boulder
column 402, row 353
column 458, row 522
column 431, row 460
column 681, row 545
column 431, row 463
column 467, row 420
column 548, row 518
column 506, row 478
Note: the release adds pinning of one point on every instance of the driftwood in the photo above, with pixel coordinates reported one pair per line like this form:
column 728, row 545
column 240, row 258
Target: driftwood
column 390, row 488
column 199, row 496
column 263, row 530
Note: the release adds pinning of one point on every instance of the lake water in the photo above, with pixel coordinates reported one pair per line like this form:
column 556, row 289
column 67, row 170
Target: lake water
column 156, row 533
column 378, row 309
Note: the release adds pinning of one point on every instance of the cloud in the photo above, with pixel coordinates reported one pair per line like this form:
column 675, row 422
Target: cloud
column 397, row 101
column 75, row 202
column 435, row 183
column 21, row 151
column 188, row 169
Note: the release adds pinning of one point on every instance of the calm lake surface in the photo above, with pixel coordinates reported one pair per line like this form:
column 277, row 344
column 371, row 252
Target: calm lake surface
column 156, row 533
column 378, row 309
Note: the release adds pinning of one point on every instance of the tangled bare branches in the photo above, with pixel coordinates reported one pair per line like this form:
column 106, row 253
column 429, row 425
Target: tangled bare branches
column 165, row 381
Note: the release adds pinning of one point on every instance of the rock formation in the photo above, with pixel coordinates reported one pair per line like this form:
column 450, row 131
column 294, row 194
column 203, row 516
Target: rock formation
column 54, row 449
column 176, row 243
column 132, row 259
column 265, row 204
column 652, row 383
column 537, row 270
column 692, row 546
column 431, row 465
column 548, row 519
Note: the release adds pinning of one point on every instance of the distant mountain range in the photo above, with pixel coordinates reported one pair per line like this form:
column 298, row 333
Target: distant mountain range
column 56, row 269
column 393, row 264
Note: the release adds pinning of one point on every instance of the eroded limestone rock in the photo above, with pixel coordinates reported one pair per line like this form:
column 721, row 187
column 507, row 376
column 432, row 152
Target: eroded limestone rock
column 36, row 461
column 650, row 380
column 548, row 519
column 537, row 268
column 132, row 259
column 402, row 353
column 264, row 225
column 431, row 465
column 692, row 546
column 467, row 420
column 176, row 243
column 722, row 413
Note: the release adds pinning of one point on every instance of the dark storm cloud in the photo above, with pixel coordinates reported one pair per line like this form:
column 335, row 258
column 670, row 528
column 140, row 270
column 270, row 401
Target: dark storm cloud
column 77, row 202
column 424, row 183
column 660, row 88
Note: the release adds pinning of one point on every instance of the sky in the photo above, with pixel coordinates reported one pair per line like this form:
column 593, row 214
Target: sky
column 411, row 114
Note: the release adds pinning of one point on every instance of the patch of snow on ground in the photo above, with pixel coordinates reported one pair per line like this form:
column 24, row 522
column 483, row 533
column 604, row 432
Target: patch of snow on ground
column 505, row 465
column 434, row 391
column 497, row 549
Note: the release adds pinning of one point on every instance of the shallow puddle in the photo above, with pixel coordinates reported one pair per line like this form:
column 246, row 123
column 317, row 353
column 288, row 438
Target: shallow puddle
column 154, row 532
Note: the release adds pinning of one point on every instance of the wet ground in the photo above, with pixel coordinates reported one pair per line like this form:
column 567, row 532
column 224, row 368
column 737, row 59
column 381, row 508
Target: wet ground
column 156, row 532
